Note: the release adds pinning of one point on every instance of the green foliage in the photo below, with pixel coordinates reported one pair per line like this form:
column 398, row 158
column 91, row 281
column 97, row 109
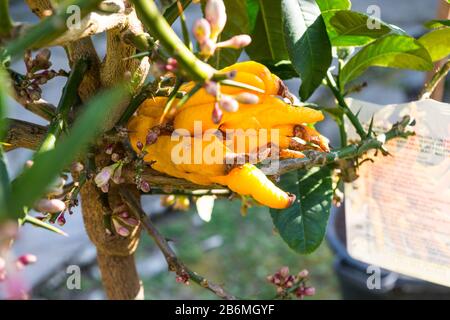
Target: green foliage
column 303, row 225
column 437, row 23
column 437, row 42
column 237, row 23
column 5, row 188
column 33, row 182
column 330, row 5
column 265, row 25
column 394, row 51
column 349, row 28
column 307, row 42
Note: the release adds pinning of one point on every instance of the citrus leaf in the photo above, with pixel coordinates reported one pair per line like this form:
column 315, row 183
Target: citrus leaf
column 303, row 225
column 349, row 28
column 329, row 5
column 266, row 30
column 437, row 23
column 437, row 42
column 307, row 42
column 5, row 187
column 32, row 183
column 394, row 51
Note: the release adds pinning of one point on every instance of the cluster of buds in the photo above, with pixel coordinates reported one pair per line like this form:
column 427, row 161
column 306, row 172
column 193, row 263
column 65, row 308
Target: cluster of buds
column 113, row 172
column 228, row 103
column 182, row 277
column 289, row 285
column 208, row 29
column 122, row 222
column 38, row 73
column 160, row 67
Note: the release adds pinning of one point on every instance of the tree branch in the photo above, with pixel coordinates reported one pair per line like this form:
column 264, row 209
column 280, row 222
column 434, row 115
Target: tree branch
column 22, row 134
column 39, row 107
column 174, row 263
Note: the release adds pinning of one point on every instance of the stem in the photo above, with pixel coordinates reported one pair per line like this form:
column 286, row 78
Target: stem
column 173, row 261
column 435, row 80
column 342, row 132
column 6, row 23
column 158, row 26
column 184, row 28
column 341, row 101
column 68, row 99
column 170, row 100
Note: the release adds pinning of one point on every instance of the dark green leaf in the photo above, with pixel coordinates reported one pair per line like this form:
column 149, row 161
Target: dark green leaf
column 266, row 30
column 303, row 225
column 433, row 24
column 172, row 13
column 307, row 42
column 5, row 187
column 349, row 28
column 237, row 23
column 394, row 51
column 283, row 69
column 33, row 182
column 437, row 42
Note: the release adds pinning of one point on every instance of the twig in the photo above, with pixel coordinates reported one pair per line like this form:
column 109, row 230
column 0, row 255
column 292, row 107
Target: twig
column 22, row 134
column 158, row 26
column 435, row 80
column 341, row 101
column 173, row 261
column 39, row 107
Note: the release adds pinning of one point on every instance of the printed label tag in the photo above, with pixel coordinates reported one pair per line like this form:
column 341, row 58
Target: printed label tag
column 398, row 211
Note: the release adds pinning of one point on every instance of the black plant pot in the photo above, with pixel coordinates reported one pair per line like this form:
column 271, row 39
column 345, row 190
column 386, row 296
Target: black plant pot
column 353, row 277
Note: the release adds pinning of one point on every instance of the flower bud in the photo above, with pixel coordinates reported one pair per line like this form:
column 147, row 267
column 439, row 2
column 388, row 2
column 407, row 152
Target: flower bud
column 102, row 178
column 132, row 222
column 229, row 104
column 151, row 138
column 208, row 48
column 43, row 55
column 77, row 167
column 145, row 186
column 247, row 98
column 140, row 145
column 303, row 274
column 26, row 259
column 172, row 65
column 61, row 220
column 284, row 272
column 216, row 15
column 236, row 42
column 50, row 205
column 116, row 178
column 217, row 114
column 211, row 88
column 121, row 230
column 201, row 30
column 309, row 291
column 29, row 163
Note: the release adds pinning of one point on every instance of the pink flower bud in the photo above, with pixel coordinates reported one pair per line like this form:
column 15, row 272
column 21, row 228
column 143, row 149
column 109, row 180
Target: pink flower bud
column 105, row 188
column 172, row 65
column 217, row 114
column 284, row 271
column 309, row 291
column 61, row 220
column 140, row 145
column 121, row 230
column 216, row 15
column 29, row 163
column 109, row 150
column 236, row 42
column 151, row 138
column 132, row 222
column 229, row 104
column 27, row 259
column 201, row 30
column 303, row 274
column 211, row 88
column 247, row 98
column 102, row 178
column 145, row 186
column 77, row 167
column 124, row 215
column 208, row 48
column 50, row 205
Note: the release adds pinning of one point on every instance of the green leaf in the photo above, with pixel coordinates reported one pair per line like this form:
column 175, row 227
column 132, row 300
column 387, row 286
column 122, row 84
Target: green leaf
column 437, row 42
column 303, row 225
column 5, row 187
column 33, row 182
column 394, row 51
column 349, row 28
column 283, row 69
column 237, row 23
column 307, row 42
column 437, row 23
column 266, row 30
column 172, row 13
column 40, row 224
column 329, row 5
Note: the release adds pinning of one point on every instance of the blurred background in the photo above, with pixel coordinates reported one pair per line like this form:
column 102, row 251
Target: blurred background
column 231, row 249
